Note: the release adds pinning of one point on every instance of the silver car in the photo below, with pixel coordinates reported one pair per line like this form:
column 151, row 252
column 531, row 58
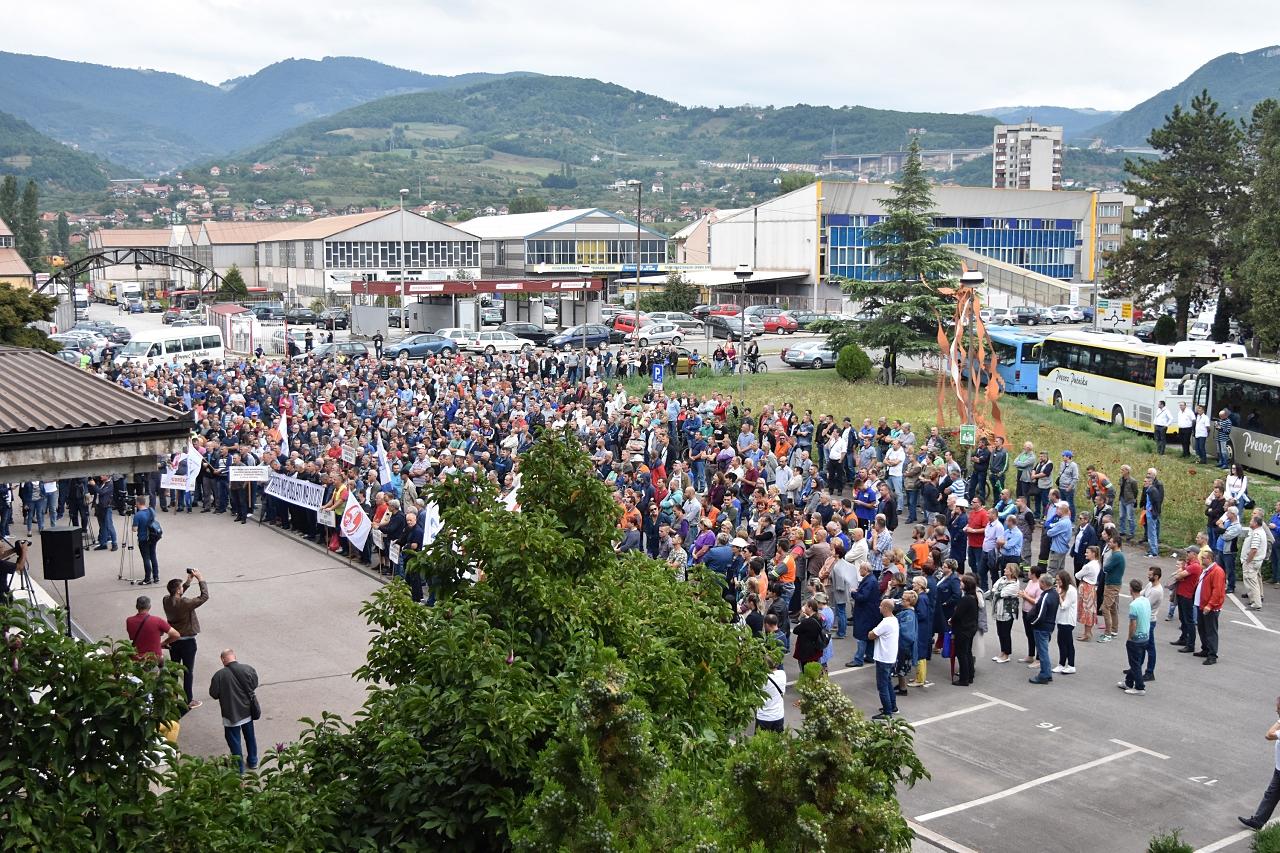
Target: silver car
column 688, row 322
column 660, row 333
column 815, row 354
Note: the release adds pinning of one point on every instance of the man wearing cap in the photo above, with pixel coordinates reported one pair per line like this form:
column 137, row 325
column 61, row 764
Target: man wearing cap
column 1068, row 477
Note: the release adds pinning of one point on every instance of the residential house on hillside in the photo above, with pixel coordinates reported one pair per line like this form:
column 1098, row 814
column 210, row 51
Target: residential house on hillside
column 215, row 171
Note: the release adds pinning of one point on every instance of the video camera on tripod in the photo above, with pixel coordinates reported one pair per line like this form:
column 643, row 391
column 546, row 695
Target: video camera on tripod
column 127, row 492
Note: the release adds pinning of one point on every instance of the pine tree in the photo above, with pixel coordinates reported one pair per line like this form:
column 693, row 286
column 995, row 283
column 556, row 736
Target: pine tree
column 913, row 264
column 1260, row 272
column 1196, row 201
column 233, row 287
column 9, row 202
column 63, row 243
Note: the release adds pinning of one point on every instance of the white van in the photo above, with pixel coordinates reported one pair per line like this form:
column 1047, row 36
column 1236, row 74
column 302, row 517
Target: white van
column 168, row 345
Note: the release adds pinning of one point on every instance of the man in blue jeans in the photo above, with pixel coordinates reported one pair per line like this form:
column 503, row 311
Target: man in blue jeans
column 143, row 519
column 885, row 636
column 104, row 498
column 1043, row 625
column 1153, row 505
column 1136, row 645
column 235, row 687
column 865, row 596
column 1154, row 592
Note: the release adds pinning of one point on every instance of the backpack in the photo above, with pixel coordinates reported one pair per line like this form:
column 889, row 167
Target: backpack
column 154, row 531
column 824, row 636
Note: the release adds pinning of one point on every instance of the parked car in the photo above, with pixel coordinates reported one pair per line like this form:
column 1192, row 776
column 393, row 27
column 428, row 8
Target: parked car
column 265, row 313
column 1029, row 315
column 998, row 316
column 588, row 334
column 82, row 343
column 424, row 346
column 100, row 327
column 700, row 312
column 1067, row 313
column 626, row 323
column 805, row 319
column 660, row 333
column 119, row 335
column 70, row 356
column 155, row 306
column 335, row 318
column 136, row 306
column 1199, row 330
column 396, row 319
column 301, row 316
column 772, row 319
column 170, row 314
column 724, row 309
column 493, row 341
column 685, row 321
column 458, row 335
column 183, row 321
column 343, row 349
column 815, row 354
column 298, row 336
column 730, row 328
column 491, row 316
column 686, row 360
column 1144, row 331
column 537, row 334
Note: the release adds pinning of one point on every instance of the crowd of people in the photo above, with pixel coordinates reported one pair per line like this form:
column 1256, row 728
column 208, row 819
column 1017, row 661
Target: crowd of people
column 819, row 527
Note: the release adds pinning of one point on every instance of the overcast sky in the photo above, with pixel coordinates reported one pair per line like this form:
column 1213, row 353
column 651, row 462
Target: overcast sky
column 945, row 56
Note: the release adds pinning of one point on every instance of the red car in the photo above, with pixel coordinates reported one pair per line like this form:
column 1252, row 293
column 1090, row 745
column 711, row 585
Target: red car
column 725, row 309
column 780, row 324
column 626, row 322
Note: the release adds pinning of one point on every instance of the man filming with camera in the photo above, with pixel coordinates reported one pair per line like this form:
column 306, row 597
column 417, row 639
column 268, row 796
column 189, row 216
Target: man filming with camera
column 104, row 495
column 181, row 613
column 11, row 569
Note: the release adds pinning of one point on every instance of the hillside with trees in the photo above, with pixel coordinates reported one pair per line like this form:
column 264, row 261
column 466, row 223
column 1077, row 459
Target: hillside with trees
column 28, row 154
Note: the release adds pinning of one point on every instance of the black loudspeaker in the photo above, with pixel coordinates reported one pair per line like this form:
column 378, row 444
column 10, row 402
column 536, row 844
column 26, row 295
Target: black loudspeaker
column 62, row 550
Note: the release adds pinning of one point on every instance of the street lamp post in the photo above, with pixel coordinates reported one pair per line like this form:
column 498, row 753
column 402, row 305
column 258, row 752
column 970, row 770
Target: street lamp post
column 585, row 270
column 635, row 307
column 742, row 273
column 404, row 259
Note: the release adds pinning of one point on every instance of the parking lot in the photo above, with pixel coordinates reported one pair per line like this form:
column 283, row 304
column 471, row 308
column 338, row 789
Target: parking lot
column 1080, row 765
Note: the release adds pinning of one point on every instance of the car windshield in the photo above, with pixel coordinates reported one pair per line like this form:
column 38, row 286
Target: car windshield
column 136, row 348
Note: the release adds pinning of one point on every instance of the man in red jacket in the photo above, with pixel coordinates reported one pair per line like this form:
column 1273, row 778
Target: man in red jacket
column 1211, row 591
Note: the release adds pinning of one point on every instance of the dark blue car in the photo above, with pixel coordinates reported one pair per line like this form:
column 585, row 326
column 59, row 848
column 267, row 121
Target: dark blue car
column 595, row 334
column 423, row 346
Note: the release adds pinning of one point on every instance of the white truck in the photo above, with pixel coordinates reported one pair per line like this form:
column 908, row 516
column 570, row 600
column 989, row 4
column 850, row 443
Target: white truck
column 81, row 300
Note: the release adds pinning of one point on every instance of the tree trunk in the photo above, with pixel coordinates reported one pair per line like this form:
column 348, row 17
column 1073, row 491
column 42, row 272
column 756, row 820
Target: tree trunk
column 1182, row 308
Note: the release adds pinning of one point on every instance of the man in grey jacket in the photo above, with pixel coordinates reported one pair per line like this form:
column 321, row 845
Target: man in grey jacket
column 1068, row 477
column 235, row 687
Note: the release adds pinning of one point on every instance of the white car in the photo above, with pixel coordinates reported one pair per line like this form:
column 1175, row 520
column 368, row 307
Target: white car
column 1199, row 330
column 1066, row 313
column 463, row 337
column 685, row 321
column 489, row 343
column 298, row 336
column 660, row 333
column 997, row 316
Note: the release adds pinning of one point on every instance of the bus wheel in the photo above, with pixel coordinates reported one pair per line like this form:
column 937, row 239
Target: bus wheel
column 1057, row 400
column 1117, row 417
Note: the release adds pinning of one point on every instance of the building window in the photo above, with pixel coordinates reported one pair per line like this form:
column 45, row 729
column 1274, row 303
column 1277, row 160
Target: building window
column 1110, row 210
column 309, row 254
column 500, row 254
column 1109, row 228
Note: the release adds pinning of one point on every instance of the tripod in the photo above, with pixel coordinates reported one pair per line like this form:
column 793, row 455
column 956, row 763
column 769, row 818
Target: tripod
column 127, row 551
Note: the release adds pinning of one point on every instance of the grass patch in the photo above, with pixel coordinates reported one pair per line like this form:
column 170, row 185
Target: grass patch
column 823, row 392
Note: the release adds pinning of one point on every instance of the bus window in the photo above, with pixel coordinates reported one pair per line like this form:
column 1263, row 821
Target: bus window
column 173, row 347
column 1006, row 354
column 191, row 344
column 212, row 341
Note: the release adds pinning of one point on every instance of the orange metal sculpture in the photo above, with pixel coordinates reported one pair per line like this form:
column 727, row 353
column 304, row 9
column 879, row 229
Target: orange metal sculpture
column 974, row 350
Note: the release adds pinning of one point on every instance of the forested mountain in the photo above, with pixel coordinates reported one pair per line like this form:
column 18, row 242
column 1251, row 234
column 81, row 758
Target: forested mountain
column 573, row 120
column 1074, row 122
column 154, row 121
column 1237, row 81
column 27, row 153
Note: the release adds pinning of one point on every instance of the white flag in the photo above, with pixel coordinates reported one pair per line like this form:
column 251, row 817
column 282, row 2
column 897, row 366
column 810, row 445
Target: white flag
column 193, row 465
column 384, row 467
column 431, row 524
column 284, row 433
column 355, row 523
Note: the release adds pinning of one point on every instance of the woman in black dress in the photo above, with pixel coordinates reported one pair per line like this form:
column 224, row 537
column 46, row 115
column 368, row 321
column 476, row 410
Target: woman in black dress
column 964, row 627
column 808, row 635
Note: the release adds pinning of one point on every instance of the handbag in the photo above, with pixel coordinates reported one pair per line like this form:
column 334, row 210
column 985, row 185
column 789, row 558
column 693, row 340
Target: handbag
column 947, row 649
column 255, row 710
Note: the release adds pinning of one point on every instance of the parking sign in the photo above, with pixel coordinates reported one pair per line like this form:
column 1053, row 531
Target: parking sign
column 656, row 373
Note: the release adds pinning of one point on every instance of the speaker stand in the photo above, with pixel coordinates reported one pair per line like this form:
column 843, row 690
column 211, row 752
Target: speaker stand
column 66, row 597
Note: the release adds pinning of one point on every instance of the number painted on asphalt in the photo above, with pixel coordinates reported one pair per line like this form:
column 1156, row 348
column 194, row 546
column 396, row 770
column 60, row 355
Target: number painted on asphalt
column 1049, row 727
column 1202, row 780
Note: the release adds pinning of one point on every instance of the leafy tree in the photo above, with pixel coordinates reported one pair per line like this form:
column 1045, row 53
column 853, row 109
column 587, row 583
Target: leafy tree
column 63, row 235
column 795, row 180
column 853, row 363
column 9, row 202
column 1166, row 330
column 1196, row 200
column 79, row 764
column 1260, row 270
column 233, row 287
column 526, row 204
column 677, row 294
column 906, row 298
column 27, row 235
column 18, row 307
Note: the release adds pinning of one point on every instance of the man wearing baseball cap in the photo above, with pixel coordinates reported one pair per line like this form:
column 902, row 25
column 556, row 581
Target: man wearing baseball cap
column 1068, row 477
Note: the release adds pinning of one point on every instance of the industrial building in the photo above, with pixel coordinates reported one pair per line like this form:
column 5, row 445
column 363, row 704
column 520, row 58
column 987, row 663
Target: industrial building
column 800, row 244
column 1027, row 156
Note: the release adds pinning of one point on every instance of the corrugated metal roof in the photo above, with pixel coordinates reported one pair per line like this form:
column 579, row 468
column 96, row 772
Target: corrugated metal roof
column 132, row 238
column 11, row 263
column 514, row 226
column 319, row 229
column 39, row 392
column 222, row 233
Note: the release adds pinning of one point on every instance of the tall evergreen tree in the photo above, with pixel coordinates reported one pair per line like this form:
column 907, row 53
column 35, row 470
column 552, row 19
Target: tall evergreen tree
column 63, row 235
column 1260, row 271
column 9, row 202
column 913, row 264
column 1195, row 195
column 27, row 234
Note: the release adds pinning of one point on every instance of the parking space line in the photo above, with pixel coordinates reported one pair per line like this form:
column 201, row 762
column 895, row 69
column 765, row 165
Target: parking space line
column 1248, row 614
column 833, row 673
column 990, row 702
column 1137, row 748
column 1034, row 783
column 1254, row 624
column 939, row 841
column 1226, row 842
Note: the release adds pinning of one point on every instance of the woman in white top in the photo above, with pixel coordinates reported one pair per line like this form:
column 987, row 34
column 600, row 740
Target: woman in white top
column 1087, row 611
column 1066, row 622
column 1237, row 488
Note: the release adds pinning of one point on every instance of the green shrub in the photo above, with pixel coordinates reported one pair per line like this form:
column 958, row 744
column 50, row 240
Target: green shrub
column 1169, row 842
column 1268, row 840
column 1166, row 331
column 853, row 363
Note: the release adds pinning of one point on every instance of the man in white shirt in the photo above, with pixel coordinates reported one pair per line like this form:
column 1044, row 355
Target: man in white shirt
column 1201, row 434
column 769, row 717
column 1154, row 593
column 1162, row 421
column 1252, row 553
column 885, row 636
column 1186, row 425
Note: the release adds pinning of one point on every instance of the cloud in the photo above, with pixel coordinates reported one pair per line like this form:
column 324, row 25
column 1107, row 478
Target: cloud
column 932, row 56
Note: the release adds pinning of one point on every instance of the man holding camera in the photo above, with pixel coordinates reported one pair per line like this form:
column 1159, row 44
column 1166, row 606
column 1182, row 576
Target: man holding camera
column 104, row 494
column 181, row 613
